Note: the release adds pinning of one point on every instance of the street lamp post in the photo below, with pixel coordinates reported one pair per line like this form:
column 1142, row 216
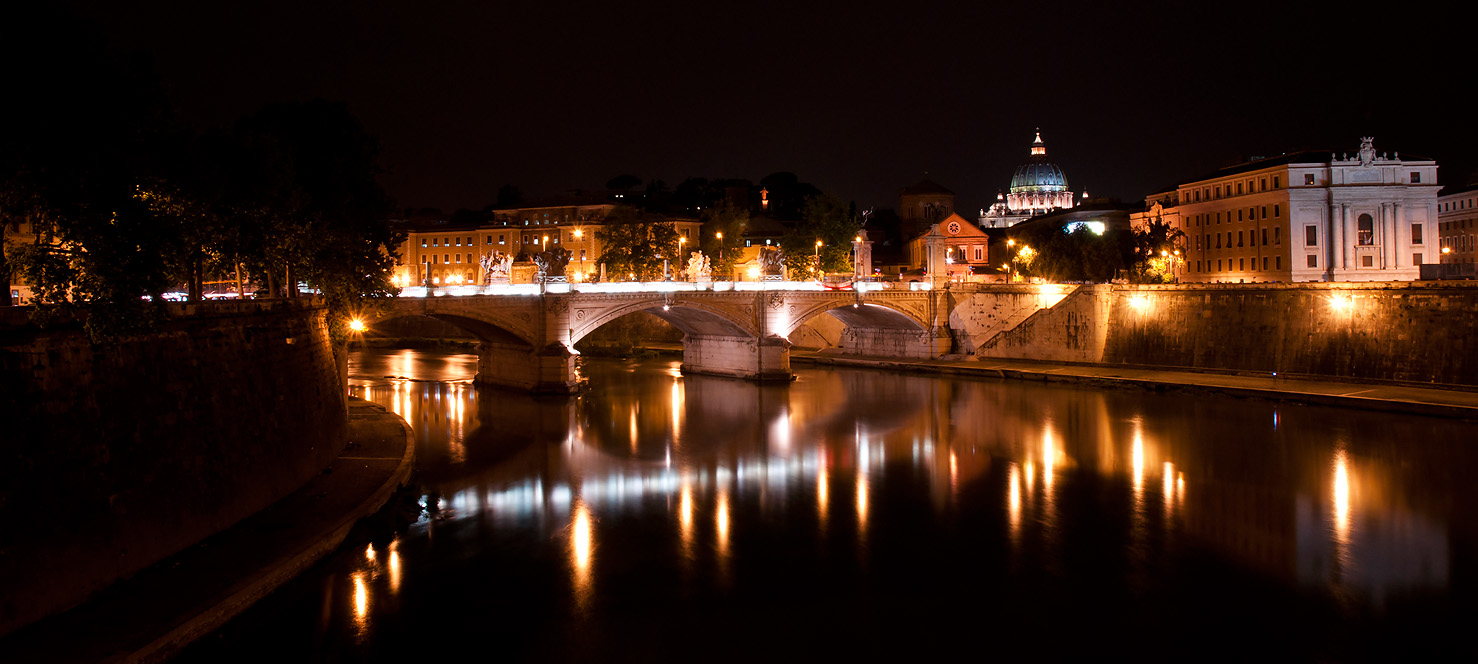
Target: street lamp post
column 720, row 249
column 818, row 260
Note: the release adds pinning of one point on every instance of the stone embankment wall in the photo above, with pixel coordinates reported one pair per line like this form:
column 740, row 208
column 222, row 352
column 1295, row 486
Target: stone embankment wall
column 1424, row 332
column 115, row 457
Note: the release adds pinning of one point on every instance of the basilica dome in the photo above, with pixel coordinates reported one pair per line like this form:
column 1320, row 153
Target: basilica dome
column 1039, row 185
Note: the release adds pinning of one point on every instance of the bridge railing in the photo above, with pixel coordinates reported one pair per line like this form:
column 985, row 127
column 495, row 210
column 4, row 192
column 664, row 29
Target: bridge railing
column 638, row 287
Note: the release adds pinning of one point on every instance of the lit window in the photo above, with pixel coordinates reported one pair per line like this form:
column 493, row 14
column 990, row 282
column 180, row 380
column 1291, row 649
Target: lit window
column 1365, row 230
column 1308, row 178
column 423, row 242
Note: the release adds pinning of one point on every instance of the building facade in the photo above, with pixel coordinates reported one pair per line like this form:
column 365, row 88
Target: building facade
column 1457, row 225
column 952, row 249
column 442, row 254
column 1305, row 217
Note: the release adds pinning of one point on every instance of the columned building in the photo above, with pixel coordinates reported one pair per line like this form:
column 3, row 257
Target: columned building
column 1305, row 216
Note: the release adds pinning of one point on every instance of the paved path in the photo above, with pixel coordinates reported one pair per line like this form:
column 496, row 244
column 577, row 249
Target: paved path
column 164, row 608
column 1405, row 398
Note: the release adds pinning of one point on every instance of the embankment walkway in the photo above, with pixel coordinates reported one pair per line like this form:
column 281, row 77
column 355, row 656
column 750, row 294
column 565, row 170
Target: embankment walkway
column 1392, row 397
column 161, row 610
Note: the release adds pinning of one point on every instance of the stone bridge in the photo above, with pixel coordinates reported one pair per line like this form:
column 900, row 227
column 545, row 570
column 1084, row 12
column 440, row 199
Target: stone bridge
column 527, row 341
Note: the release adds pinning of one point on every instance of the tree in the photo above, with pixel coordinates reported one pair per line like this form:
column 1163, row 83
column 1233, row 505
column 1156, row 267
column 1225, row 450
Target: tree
column 623, row 183
column 826, row 220
column 96, row 129
column 324, row 216
column 788, row 195
column 634, row 244
column 721, row 237
column 1157, row 247
column 1079, row 255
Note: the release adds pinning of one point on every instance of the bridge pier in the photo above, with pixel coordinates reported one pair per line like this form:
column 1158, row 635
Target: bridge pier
column 763, row 359
column 888, row 342
column 548, row 370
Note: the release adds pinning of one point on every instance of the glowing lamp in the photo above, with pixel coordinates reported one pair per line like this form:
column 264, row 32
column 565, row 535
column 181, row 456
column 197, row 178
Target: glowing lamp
column 356, row 324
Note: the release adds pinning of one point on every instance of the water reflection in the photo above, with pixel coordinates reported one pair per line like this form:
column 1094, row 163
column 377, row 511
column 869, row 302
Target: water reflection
column 643, row 466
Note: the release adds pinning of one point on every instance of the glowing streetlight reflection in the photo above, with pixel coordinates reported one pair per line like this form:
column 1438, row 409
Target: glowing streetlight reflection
column 582, row 548
column 1341, row 499
column 361, row 603
column 394, row 561
column 1013, row 500
column 721, row 523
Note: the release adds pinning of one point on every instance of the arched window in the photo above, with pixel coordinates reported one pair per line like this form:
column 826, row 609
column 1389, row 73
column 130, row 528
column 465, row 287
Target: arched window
column 1365, row 229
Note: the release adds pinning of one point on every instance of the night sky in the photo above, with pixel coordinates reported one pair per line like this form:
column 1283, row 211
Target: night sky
column 858, row 99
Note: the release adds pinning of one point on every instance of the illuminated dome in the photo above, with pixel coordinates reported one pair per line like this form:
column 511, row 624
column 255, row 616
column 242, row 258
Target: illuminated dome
column 1039, row 185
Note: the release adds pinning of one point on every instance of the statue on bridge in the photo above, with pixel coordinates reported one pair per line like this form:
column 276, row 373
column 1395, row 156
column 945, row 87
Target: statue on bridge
column 772, row 261
column 698, row 267
column 497, row 267
column 551, row 264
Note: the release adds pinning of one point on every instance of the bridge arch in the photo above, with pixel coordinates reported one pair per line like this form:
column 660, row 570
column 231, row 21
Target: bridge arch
column 693, row 317
column 865, row 314
column 495, row 331
column 879, row 326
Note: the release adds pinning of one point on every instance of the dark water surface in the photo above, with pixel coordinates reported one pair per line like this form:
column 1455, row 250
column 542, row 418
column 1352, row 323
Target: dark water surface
column 858, row 514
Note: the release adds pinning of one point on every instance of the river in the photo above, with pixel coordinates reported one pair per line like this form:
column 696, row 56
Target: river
column 862, row 514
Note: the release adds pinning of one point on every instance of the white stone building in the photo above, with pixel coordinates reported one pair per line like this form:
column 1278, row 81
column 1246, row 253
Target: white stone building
column 1306, row 216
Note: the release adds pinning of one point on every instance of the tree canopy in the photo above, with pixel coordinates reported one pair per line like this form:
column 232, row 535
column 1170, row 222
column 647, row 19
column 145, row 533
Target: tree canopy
column 126, row 204
column 634, row 244
column 722, row 237
column 826, row 220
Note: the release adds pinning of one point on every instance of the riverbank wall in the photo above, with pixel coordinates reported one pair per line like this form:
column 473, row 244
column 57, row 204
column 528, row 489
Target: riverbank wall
column 117, row 456
column 1411, row 332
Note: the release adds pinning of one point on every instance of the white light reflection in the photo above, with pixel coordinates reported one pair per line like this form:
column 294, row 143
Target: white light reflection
column 861, row 506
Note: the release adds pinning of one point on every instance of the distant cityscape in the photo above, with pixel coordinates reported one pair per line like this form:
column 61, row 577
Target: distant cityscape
column 1359, row 215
